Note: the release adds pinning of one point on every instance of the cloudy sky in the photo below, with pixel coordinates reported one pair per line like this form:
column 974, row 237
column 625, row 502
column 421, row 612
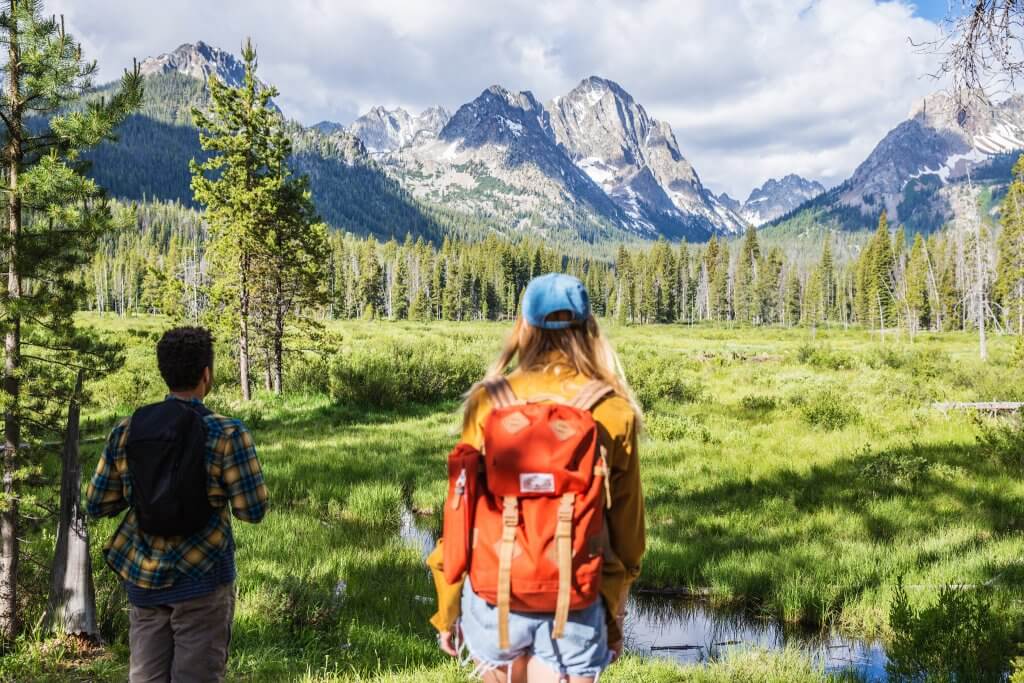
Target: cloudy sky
column 753, row 88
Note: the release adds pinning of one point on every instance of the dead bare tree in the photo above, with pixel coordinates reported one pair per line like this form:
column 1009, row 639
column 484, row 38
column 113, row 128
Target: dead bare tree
column 72, row 605
column 981, row 48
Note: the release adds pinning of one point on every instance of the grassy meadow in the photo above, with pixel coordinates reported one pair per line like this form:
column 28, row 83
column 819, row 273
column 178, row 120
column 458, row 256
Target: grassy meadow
column 797, row 475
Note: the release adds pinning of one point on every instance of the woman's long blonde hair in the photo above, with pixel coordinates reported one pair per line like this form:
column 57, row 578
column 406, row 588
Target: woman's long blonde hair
column 584, row 348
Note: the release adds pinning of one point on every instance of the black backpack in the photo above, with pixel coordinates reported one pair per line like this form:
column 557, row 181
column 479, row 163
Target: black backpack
column 166, row 453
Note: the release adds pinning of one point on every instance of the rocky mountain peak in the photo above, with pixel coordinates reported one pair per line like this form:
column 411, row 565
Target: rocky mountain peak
column 385, row 130
column 636, row 160
column 198, row 60
column 778, row 197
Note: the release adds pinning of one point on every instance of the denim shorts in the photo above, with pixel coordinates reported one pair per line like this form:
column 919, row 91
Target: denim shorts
column 581, row 651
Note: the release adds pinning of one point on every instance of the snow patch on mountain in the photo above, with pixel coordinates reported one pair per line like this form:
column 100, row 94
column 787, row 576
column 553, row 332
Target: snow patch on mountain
column 387, row 130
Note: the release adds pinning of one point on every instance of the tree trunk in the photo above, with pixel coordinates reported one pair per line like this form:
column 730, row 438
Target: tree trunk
column 243, row 334
column 9, row 624
column 981, row 303
column 72, row 605
column 278, row 350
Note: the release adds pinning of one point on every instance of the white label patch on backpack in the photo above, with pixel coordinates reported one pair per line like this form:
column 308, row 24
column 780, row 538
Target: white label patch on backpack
column 536, row 482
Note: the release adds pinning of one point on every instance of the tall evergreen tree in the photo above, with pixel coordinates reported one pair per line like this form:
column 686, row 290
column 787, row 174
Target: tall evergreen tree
column 745, row 287
column 1009, row 287
column 238, row 184
column 55, row 217
column 916, row 287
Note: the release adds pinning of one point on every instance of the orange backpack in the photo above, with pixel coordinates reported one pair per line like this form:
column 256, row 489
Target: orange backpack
column 526, row 516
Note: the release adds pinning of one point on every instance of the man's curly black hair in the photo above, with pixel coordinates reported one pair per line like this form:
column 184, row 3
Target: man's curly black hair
column 182, row 354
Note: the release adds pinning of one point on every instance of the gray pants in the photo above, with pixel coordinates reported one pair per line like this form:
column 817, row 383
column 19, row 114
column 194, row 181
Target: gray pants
column 182, row 643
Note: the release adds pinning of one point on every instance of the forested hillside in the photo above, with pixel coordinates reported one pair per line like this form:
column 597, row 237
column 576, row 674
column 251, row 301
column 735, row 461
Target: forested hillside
column 151, row 157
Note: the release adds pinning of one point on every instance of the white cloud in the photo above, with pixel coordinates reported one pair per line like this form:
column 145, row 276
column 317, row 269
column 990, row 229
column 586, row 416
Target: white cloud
column 753, row 88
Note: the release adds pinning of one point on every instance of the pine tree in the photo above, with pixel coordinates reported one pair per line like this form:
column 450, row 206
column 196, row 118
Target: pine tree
column 721, row 310
column 289, row 264
column 55, row 217
column 880, row 295
column 371, row 281
column 916, row 287
column 400, row 289
column 745, row 287
column 794, row 299
column 828, row 280
column 238, row 185
column 1009, row 288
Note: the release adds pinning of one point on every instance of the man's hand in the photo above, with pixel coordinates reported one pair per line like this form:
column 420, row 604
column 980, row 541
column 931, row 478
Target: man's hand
column 446, row 641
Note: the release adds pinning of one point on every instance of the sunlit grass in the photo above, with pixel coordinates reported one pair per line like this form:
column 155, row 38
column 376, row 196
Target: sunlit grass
column 746, row 496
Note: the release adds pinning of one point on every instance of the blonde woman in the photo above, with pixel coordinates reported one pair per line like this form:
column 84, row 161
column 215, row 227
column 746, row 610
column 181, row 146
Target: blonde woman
column 557, row 351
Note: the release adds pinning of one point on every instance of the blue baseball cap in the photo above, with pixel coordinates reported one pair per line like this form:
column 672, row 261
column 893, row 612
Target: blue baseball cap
column 552, row 293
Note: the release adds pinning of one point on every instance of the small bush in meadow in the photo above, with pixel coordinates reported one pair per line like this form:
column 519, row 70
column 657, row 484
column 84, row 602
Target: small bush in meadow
column 825, row 358
column 960, row 638
column 1003, row 441
column 829, row 410
column 308, row 374
column 759, row 403
column 668, row 427
column 902, row 467
column 393, row 375
column 656, row 378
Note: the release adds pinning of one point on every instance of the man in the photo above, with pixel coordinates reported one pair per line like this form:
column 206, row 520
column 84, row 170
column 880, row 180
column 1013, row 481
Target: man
column 181, row 471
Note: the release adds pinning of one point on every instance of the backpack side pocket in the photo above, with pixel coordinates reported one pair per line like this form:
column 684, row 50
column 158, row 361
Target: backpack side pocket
column 459, row 508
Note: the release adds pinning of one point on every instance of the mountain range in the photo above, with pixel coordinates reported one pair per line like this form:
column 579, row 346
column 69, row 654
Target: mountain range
column 591, row 165
column 774, row 199
column 916, row 170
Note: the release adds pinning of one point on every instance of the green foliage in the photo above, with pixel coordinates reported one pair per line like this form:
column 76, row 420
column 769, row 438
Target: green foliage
column 55, row 217
column 759, row 403
column 959, row 638
column 830, row 410
column 899, row 467
column 1003, row 442
column 655, row 378
column 394, row 375
column 820, row 356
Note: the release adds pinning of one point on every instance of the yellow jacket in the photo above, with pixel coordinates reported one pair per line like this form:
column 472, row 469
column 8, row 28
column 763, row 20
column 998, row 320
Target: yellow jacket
column 625, row 518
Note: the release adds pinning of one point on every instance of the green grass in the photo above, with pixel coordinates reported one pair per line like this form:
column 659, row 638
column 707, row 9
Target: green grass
column 797, row 476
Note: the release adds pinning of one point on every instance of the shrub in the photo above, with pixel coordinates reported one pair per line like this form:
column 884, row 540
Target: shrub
column 655, row 378
column 668, row 427
column 397, row 374
column 959, row 638
column 903, row 467
column 829, row 410
column 825, row 358
column 760, row 404
column 1003, row 441
column 308, row 374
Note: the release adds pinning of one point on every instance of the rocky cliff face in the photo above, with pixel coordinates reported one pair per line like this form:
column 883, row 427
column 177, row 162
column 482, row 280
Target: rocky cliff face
column 778, row 197
column 635, row 159
column 387, row 130
column 199, row 61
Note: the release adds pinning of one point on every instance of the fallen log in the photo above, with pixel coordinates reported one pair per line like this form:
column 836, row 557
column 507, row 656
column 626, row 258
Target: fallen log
column 983, row 407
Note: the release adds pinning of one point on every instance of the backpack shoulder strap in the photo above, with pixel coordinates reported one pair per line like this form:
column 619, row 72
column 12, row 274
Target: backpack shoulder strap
column 501, row 392
column 591, row 394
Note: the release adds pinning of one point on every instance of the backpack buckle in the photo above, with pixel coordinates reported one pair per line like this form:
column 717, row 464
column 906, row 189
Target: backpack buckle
column 510, row 513
column 565, row 507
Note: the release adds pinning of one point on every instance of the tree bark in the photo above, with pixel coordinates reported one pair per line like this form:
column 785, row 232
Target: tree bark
column 243, row 335
column 72, row 605
column 9, row 624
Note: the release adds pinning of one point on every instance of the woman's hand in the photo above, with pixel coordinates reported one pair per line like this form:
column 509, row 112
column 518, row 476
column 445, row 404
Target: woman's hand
column 616, row 649
column 446, row 641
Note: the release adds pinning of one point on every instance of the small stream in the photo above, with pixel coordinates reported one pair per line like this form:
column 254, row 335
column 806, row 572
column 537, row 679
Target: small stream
column 690, row 631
